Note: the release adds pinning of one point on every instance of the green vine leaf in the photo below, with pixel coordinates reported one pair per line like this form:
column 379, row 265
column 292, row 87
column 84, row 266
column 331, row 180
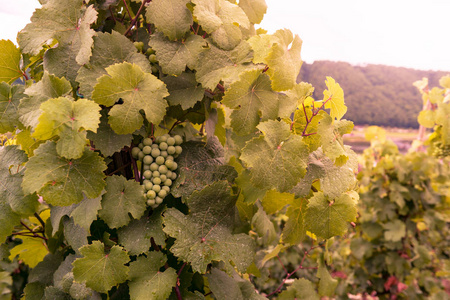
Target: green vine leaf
column 174, row 56
column 171, row 17
column 69, row 120
column 147, row 282
column 327, row 217
column 122, row 197
column 61, row 181
column 108, row 49
column 294, row 232
column 255, row 10
column 277, row 158
column 253, row 100
column 334, row 96
column 9, row 62
column 327, row 284
column 47, row 88
column 139, row 90
column 201, row 164
column 9, row 106
column 31, row 251
column 66, row 21
column 205, row 234
column 184, row 90
column 101, row 270
column 300, row 289
column 222, row 19
column 9, row 220
column 136, row 236
column 218, row 64
column 11, row 193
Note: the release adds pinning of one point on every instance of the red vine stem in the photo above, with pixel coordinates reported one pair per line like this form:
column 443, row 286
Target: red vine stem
column 300, row 267
column 314, row 113
column 32, row 232
column 126, row 7
column 133, row 22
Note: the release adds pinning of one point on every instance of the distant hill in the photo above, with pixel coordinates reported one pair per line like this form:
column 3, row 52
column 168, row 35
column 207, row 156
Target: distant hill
column 375, row 94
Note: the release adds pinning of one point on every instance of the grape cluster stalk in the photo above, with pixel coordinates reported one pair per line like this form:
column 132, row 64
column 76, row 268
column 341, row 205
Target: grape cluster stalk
column 158, row 164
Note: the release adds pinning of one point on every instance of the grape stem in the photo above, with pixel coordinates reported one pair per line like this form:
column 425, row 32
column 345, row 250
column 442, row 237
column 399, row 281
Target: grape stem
column 300, row 267
column 133, row 22
column 34, row 234
column 315, row 111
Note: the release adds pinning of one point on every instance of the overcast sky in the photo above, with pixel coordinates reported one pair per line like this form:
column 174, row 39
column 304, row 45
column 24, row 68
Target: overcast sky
column 407, row 33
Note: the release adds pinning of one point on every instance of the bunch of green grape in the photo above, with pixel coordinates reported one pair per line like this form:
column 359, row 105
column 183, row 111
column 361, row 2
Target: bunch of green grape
column 441, row 150
column 158, row 165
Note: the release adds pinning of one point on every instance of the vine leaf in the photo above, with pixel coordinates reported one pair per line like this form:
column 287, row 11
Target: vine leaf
column 171, row 17
column 275, row 201
column 394, row 231
column 255, row 10
column 294, row 232
column 263, row 226
column 205, row 234
column 122, row 197
column 47, row 88
column 277, row 158
column 222, row 19
column 138, row 90
column 327, row 217
column 184, row 90
column 105, row 139
column 100, row 270
column 9, row 220
column 225, row 287
column 69, row 120
column 218, row 64
column 174, row 56
column 199, row 165
column 284, row 63
column 9, row 62
column 331, row 138
column 31, row 251
column 9, row 106
column 253, row 100
column 109, row 49
column 327, row 285
column 61, row 181
column 11, row 193
column 147, row 282
column 300, row 289
column 335, row 96
column 67, row 22
column 136, row 237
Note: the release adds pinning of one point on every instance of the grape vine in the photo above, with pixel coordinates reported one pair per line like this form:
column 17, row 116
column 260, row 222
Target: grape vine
column 164, row 149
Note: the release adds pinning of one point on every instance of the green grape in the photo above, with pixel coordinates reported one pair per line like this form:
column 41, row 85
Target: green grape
column 174, row 166
column 155, row 146
column 174, row 176
column 148, row 174
column 178, row 150
column 155, row 152
column 141, row 146
column 159, row 160
column 154, row 167
column 163, row 146
column 164, row 154
column 149, row 51
column 146, row 167
column 168, row 182
column 141, row 155
column 151, row 202
column 148, row 185
column 169, row 164
column 170, row 157
column 148, row 159
column 139, row 46
column 163, row 138
column 158, row 200
column 178, row 139
column 166, row 188
column 152, row 58
column 163, row 177
column 156, row 181
column 151, row 194
column 147, row 142
column 156, row 188
column 169, row 174
column 135, row 152
column 154, row 70
column 145, row 181
column 156, row 174
column 147, row 150
column 170, row 141
column 162, row 193
column 171, row 150
column 162, row 169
